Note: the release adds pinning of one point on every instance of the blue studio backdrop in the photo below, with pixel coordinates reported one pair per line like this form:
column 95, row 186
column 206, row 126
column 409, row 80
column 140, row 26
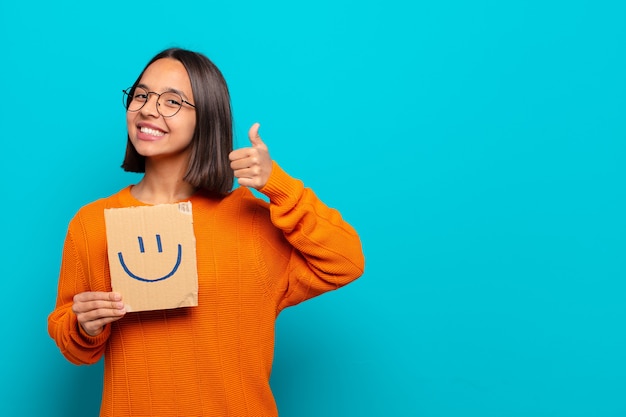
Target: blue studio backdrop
column 477, row 146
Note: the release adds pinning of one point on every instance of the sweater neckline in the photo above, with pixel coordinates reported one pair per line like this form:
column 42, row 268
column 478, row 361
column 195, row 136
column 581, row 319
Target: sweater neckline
column 128, row 200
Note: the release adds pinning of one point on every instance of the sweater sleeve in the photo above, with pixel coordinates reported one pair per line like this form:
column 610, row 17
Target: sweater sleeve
column 75, row 344
column 325, row 251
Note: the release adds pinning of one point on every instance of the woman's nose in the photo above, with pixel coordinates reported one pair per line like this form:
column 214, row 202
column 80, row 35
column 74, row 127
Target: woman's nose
column 151, row 108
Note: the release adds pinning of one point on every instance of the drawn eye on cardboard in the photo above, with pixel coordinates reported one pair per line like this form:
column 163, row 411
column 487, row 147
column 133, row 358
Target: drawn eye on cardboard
column 152, row 256
column 142, row 249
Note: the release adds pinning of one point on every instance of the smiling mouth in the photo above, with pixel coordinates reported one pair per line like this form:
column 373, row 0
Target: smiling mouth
column 151, row 132
column 146, row 279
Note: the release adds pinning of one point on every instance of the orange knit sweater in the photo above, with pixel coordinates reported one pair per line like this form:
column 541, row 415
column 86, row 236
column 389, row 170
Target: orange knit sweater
column 254, row 259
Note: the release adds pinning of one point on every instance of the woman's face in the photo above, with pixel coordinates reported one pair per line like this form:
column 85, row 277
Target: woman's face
column 154, row 136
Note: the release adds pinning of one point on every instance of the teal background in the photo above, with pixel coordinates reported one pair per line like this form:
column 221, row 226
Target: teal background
column 477, row 146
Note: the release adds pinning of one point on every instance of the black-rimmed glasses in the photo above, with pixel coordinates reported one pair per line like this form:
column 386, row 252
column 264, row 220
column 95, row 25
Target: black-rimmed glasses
column 168, row 103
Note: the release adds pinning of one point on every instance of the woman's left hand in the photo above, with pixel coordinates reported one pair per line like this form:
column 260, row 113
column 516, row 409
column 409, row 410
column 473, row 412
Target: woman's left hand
column 252, row 166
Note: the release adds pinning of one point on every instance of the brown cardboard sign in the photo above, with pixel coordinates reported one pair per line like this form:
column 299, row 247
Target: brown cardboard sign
column 152, row 256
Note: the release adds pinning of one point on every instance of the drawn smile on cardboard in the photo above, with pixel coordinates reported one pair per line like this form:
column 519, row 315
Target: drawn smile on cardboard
column 142, row 249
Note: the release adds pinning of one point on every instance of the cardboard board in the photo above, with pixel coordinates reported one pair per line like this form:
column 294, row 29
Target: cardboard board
column 152, row 256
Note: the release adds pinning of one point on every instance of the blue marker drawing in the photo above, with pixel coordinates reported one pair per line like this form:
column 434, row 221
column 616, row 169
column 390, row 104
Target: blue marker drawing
column 142, row 250
column 159, row 243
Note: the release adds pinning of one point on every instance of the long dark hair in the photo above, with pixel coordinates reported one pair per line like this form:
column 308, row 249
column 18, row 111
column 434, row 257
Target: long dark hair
column 212, row 140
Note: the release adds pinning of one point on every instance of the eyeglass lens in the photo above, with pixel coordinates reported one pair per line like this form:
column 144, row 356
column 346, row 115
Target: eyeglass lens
column 168, row 103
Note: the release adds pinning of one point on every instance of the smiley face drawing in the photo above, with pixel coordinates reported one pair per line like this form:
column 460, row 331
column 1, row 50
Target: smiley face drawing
column 152, row 255
column 142, row 249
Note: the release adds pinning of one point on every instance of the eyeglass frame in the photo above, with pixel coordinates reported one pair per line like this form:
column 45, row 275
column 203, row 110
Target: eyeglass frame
column 126, row 98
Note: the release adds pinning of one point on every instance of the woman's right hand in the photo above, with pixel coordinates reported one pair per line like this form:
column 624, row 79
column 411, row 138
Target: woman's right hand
column 94, row 310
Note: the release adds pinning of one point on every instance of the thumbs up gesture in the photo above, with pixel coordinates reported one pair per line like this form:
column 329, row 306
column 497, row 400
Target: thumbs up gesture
column 252, row 166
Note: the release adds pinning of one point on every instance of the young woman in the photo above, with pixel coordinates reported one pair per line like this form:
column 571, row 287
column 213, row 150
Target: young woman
column 253, row 258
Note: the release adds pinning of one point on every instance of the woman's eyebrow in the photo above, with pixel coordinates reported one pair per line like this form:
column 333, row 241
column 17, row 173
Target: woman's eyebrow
column 177, row 91
column 167, row 90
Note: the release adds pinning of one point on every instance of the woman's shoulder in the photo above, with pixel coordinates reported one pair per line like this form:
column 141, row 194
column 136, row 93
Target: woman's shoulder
column 241, row 205
column 95, row 209
column 238, row 196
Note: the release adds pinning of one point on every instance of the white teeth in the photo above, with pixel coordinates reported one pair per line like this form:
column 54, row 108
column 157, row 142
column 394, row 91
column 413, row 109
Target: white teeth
column 152, row 132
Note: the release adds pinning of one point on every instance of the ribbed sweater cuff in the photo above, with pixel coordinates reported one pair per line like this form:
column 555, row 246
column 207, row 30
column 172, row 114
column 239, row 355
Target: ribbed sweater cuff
column 281, row 188
column 85, row 340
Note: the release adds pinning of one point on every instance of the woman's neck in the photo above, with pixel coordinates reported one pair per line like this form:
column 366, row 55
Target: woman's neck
column 162, row 184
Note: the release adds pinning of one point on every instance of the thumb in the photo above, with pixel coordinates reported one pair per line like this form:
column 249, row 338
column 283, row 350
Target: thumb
column 253, row 135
